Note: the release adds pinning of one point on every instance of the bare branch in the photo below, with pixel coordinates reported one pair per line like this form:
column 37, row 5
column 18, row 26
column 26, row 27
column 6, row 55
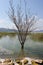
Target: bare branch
column 23, row 26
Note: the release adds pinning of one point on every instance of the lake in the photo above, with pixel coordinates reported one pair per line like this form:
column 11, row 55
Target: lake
column 10, row 47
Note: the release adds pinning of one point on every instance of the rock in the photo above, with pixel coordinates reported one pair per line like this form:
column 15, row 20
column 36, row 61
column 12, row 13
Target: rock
column 0, row 62
column 34, row 63
column 41, row 63
column 11, row 64
column 25, row 61
column 19, row 62
column 7, row 61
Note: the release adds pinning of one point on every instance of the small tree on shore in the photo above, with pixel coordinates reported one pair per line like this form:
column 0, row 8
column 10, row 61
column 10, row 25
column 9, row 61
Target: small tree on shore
column 23, row 22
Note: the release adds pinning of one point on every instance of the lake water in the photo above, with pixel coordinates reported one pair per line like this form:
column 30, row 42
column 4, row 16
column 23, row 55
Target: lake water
column 10, row 47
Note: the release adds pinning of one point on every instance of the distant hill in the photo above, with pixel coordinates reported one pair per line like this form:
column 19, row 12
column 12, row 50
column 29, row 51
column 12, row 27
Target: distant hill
column 14, row 30
column 40, row 31
column 7, row 30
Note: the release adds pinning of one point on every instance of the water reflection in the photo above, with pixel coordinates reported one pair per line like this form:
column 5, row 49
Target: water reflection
column 21, row 54
column 11, row 44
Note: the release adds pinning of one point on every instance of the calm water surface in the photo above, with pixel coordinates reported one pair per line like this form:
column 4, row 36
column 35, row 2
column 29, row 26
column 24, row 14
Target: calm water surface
column 10, row 47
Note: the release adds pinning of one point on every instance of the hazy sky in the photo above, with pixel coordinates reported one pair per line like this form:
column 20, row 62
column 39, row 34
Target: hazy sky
column 35, row 7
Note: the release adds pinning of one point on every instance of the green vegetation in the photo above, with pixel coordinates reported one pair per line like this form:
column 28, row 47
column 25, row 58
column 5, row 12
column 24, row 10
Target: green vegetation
column 7, row 33
column 33, row 36
column 36, row 36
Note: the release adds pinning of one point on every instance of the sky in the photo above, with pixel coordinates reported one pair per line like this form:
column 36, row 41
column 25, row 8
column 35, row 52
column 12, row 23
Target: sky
column 35, row 7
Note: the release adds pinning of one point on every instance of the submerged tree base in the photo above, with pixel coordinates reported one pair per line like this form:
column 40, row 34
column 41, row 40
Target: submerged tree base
column 22, row 46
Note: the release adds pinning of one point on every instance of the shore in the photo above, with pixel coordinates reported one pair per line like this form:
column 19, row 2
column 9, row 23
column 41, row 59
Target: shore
column 23, row 61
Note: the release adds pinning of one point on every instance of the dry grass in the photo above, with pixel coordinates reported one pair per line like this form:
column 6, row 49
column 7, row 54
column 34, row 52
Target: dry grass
column 37, row 36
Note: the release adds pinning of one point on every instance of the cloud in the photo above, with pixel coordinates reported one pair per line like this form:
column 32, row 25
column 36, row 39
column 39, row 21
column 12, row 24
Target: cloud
column 7, row 24
column 39, row 23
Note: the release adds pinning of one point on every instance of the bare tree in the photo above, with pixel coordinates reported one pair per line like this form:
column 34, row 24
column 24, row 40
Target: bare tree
column 22, row 22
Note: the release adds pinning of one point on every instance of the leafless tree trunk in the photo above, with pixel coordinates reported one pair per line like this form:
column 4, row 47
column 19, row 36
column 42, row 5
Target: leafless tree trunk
column 22, row 22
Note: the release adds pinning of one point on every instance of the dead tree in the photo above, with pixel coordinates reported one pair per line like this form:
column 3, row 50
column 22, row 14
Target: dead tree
column 22, row 22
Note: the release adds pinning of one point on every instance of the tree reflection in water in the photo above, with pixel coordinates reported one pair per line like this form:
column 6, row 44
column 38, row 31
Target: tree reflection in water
column 21, row 54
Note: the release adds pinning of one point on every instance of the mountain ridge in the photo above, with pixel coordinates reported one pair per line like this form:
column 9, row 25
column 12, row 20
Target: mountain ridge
column 7, row 30
column 14, row 30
